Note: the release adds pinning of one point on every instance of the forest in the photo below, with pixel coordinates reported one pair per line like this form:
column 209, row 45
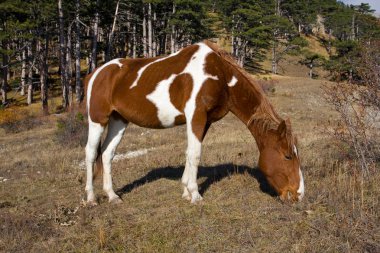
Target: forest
column 47, row 44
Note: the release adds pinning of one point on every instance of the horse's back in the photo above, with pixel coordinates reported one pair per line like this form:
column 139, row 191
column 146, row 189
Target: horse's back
column 153, row 92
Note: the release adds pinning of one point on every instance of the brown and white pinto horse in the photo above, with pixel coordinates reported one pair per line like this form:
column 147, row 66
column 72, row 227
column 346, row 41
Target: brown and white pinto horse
column 198, row 85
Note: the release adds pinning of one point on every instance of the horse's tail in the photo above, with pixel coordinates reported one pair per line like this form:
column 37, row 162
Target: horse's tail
column 98, row 169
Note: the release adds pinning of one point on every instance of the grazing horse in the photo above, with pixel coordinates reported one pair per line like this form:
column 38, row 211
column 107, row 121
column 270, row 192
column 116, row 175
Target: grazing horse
column 197, row 85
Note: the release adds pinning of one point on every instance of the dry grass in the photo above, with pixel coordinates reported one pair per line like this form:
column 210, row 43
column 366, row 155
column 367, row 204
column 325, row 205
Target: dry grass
column 41, row 211
column 291, row 66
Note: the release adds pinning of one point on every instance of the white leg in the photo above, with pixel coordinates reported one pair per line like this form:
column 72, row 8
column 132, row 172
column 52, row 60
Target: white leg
column 95, row 131
column 193, row 155
column 115, row 132
column 185, row 178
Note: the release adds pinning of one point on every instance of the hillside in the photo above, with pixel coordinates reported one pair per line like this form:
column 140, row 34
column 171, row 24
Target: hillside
column 42, row 192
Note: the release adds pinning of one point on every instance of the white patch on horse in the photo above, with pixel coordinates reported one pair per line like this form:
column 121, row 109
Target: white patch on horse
column 141, row 71
column 233, row 82
column 212, row 77
column 160, row 97
column 301, row 188
column 196, row 69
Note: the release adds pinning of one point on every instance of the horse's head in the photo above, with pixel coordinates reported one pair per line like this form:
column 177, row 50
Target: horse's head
column 279, row 161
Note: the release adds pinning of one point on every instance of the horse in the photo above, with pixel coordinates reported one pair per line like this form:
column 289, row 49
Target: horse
column 196, row 86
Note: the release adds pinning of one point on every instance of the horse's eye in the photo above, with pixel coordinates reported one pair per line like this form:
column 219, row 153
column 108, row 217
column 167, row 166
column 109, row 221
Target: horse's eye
column 288, row 157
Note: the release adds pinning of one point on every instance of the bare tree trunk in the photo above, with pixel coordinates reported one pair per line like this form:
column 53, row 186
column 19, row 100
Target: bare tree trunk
column 30, row 74
column 78, row 83
column 145, row 46
column 274, row 59
column 311, row 70
column 111, row 34
column 23, row 72
column 69, row 48
column 150, row 30
column 103, row 55
column 4, row 85
column 44, row 75
column 69, row 65
column 162, row 49
column 3, row 91
column 94, row 50
column 128, row 40
column 233, row 37
column 278, row 7
column 274, row 48
column 154, row 38
column 134, row 41
column 353, row 27
column 123, row 51
column 172, row 35
column 62, row 55
column 329, row 42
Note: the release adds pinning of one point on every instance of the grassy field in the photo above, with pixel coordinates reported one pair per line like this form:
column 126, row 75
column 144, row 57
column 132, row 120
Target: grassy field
column 42, row 189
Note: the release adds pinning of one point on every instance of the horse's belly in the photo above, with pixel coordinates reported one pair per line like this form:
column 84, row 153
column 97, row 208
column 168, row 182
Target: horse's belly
column 153, row 114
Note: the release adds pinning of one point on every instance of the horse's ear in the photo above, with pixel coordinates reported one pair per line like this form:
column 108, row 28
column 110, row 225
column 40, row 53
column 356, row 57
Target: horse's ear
column 284, row 128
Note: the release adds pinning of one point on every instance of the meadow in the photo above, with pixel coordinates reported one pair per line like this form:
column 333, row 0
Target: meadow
column 42, row 188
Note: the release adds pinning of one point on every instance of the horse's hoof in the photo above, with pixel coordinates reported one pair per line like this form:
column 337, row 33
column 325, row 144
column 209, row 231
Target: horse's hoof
column 196, row 198
column 186, row 196
column 116, row 201
column 91, row 203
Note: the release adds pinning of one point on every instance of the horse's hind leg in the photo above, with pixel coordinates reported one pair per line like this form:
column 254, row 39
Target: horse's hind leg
column 95, row 131
column 116, row 127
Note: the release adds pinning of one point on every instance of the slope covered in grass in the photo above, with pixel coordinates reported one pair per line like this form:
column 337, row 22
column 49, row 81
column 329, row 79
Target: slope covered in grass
column 42, row 187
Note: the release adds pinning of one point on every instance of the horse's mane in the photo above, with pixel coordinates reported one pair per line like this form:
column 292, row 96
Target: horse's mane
column 265, row 117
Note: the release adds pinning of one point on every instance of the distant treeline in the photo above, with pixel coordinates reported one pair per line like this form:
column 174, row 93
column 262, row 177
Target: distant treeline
column 37, row 35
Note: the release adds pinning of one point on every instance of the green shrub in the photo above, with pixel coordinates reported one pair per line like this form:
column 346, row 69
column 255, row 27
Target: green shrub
column 72, row 130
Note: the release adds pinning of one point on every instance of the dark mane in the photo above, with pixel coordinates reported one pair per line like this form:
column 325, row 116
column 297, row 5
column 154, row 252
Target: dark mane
column 265, row 117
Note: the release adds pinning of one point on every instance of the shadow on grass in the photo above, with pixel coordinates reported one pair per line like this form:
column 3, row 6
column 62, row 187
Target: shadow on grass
column 213, row 174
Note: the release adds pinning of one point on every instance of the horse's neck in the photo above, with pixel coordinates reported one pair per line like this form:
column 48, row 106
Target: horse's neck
column 249, row 104
column 245, row 100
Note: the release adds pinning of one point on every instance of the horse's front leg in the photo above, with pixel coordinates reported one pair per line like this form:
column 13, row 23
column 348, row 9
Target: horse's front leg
column 196, row 131
column 189, row 178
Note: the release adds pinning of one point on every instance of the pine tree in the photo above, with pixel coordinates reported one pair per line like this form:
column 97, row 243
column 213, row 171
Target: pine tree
column 13, row 18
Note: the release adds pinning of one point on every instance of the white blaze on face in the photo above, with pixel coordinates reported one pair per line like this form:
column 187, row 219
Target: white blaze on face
column 232, row 82
column 301, row 188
